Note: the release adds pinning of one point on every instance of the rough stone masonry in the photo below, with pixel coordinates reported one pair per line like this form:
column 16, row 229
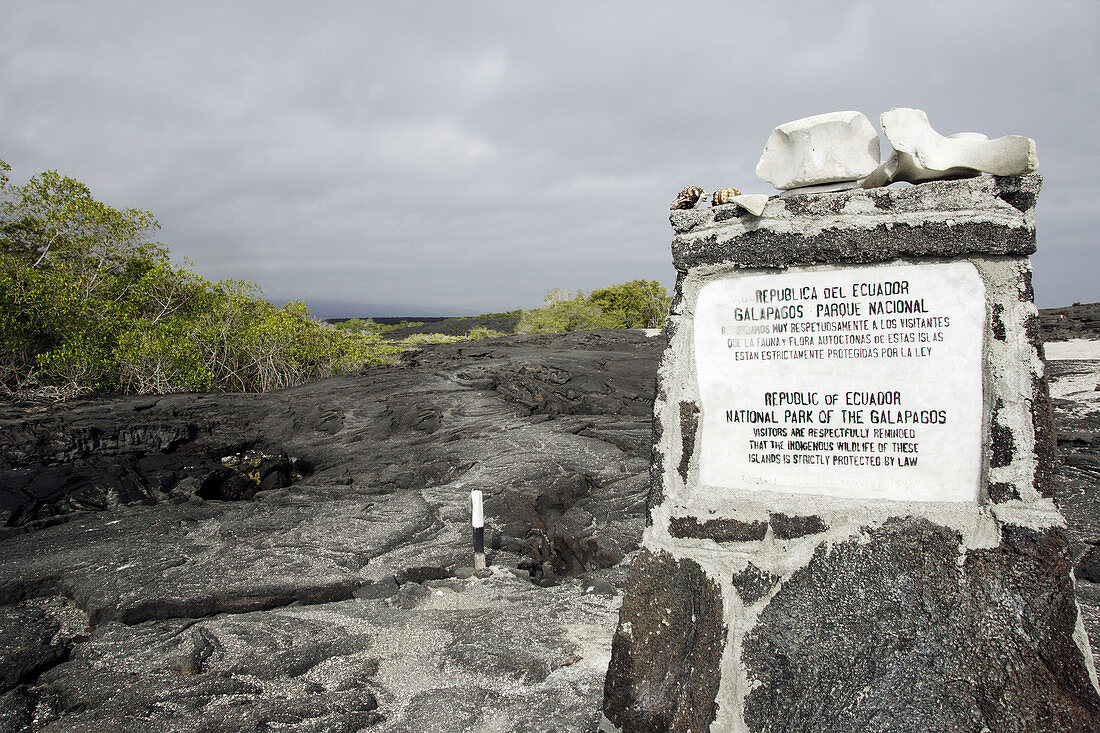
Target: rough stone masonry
column 850, row 521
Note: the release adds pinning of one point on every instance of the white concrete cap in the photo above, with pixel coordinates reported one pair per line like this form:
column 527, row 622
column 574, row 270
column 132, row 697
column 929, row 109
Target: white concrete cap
column 838, row 146
column 935, row 156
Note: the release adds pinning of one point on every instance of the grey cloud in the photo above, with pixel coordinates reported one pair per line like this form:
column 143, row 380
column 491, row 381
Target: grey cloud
column 462, row 157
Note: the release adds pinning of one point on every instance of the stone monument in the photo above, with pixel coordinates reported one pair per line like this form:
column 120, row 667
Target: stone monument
column 850, row 522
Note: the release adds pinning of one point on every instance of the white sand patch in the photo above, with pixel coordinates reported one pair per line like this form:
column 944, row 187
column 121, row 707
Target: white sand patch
column 1076, row 380
column 1072, row 350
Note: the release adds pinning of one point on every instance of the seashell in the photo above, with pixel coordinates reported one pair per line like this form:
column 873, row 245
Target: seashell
column 724, row 196
column 688, row 198
column 753, row 203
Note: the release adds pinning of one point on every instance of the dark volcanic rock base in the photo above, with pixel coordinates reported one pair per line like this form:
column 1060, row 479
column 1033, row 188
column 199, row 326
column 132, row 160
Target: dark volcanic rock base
column 664, row 670
column 930, row 644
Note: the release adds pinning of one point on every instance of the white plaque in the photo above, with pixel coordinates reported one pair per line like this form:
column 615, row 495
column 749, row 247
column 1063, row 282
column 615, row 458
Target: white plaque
column 856, row 382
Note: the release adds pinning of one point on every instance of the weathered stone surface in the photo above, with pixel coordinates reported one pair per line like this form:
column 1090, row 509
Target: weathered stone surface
column 36, row 635
column 719, row 530
column 345, row 666
column 193, row 560
column 689, row 427
column 1001, row 492
column 788, row 527
column 752, row 583
column 17, row 707
column 664, row 670
column 1046, row 443
column 838, row 146
column 864, row 225
column 985, row 643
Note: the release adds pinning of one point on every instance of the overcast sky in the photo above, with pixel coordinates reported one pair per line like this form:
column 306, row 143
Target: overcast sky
column 437, row 158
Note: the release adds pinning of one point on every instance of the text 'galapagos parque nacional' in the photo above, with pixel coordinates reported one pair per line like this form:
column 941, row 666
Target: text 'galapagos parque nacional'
column 860, row 382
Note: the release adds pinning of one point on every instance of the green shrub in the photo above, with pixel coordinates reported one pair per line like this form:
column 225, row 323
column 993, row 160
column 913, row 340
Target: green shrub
column 368, row 325
column 505, row 314
column 87, row 304
column 355, row 325
column 479, row 333
column 619, row 306
column 636, row 304
column 431, row 338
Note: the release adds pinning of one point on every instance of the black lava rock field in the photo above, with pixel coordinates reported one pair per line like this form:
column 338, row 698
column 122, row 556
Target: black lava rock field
column 300, row 560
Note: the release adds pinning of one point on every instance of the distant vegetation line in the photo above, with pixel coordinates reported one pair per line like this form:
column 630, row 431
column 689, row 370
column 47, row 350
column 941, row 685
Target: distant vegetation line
column 634, row 304
column 391, row 320
column 89, row 304
column 411, row 320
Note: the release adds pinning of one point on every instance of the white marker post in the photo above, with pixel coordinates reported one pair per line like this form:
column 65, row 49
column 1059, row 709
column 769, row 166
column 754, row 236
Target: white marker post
column 477, row 511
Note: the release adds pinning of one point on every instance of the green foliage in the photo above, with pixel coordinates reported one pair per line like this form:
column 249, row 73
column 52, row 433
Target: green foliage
column 475, row 334
column 87, row 303
column 637, row 304
column 479, row 333
column 368, row 325
column 431, row 338
column 355, row 325
column 506, row 314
